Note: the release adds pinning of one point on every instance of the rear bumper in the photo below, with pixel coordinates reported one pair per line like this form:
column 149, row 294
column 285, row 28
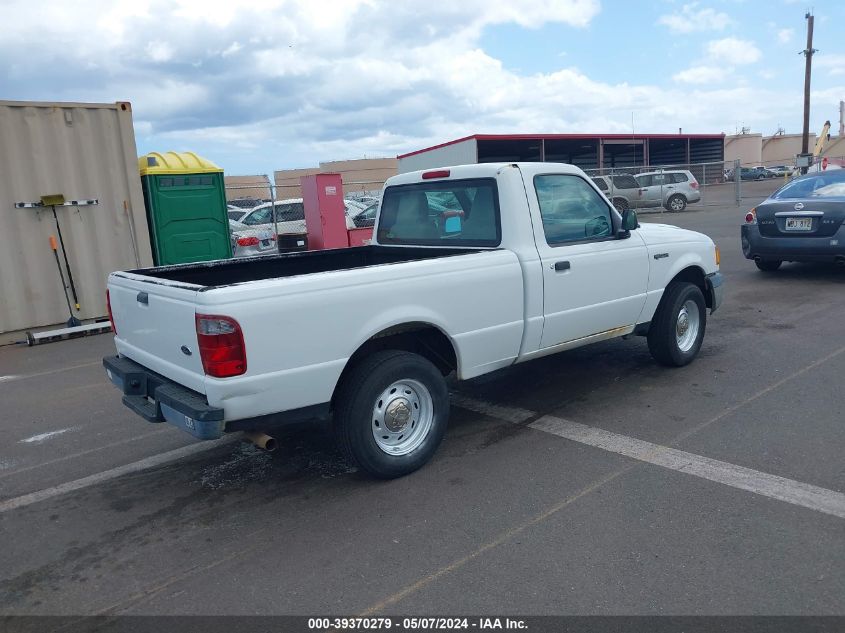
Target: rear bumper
column 791, row 249
column 157, row 399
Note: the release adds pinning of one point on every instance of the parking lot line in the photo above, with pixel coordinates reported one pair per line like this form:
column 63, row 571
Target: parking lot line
column 15, row 377
column 134, row 467
column 65, row 458
column 772, row 486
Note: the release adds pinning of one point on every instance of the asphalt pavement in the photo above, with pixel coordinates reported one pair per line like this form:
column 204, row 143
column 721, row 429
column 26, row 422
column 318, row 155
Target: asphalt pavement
column 745, row 518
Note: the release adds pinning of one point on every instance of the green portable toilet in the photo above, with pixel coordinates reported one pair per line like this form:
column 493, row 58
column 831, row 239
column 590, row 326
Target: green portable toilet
column 186, row 208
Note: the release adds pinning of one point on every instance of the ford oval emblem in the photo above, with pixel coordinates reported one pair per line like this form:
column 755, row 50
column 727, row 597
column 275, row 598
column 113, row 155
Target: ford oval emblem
column 186, row 350
column 799, row 206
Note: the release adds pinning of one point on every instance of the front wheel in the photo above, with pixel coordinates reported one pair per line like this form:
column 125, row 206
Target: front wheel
column 391, row 413
column 677, row 330
column 676, row 203
column 620, row 204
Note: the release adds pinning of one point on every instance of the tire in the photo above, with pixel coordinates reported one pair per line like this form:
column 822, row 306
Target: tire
column 391, row 444
column 620, row 204
column 768, row 265
column 668, row 343
column 676, row 203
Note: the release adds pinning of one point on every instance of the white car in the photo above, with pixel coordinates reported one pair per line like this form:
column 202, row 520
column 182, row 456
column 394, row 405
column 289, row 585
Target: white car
column 252, row 242
column 290, row 216
column 471, row 269
column 671, row 189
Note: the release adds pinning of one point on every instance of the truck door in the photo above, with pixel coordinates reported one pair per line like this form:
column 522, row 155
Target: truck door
column 593, row 281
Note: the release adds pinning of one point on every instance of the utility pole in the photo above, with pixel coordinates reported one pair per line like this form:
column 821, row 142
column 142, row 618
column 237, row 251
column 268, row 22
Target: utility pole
column 808, row 54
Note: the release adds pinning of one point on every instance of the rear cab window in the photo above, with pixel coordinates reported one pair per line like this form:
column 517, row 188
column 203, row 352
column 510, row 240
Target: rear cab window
column 442, row 213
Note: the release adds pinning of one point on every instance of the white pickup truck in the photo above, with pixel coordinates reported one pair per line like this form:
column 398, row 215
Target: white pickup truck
column 471, row 269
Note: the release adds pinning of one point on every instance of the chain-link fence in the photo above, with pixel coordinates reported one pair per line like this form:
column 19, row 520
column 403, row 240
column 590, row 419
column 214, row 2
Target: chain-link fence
column 264, row 217
column 724, row 183
column 668, row 187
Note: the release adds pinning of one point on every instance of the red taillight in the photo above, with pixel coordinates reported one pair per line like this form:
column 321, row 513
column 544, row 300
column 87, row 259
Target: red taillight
column 441, row 173
column 221, row 344
column 111, row 316
column 248, row 241
column 751, row 216
column 694, row 184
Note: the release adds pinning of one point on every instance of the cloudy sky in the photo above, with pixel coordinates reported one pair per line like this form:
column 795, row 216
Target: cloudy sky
column 258, row 85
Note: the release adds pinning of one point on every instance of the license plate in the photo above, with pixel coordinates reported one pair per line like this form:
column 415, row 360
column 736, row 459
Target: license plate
column 799, row 224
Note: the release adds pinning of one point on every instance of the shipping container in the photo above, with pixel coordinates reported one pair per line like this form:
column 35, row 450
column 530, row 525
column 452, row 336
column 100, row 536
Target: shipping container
column 85, row 152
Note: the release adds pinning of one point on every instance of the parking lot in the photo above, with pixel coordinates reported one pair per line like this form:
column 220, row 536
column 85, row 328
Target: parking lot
column 589, row 482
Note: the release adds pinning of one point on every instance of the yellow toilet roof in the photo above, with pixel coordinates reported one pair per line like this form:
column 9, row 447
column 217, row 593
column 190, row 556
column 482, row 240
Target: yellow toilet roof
column 175, row 163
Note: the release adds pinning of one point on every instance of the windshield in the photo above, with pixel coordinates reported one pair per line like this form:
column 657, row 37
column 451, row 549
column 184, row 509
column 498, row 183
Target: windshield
column 822, row 186
column 449, row 213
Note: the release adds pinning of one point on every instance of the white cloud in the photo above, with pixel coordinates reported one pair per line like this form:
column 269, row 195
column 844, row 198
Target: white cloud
column 732, row 50
column 233, row 48
column 785, row 35
column 159, row 51
column 283, row 83
column 834, row 64
column 692, row 18
column 701, row 75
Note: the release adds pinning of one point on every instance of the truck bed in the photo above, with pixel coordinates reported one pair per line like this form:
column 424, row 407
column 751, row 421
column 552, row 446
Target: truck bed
column 234, row 271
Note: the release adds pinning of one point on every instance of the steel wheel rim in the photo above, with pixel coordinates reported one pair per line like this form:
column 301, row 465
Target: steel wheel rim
column 676, row 204
column 402, row 417
column 687, row 325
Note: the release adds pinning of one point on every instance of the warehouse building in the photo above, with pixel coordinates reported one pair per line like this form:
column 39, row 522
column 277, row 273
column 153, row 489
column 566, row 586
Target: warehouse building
column 587, row 151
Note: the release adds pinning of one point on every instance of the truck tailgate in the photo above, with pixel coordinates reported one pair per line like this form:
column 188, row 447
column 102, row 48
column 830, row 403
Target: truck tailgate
column 155, row 323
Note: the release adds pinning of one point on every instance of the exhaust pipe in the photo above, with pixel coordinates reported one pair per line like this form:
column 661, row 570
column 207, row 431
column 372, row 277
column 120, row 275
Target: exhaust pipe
column 262, row 440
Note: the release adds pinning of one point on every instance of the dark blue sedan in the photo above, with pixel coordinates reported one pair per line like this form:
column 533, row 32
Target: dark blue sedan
column 803, row 221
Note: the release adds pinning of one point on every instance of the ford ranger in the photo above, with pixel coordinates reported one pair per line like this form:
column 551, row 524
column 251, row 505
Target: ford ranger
column 471, row 269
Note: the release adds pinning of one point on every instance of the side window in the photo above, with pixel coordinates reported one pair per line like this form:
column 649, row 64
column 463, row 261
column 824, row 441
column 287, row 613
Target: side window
column 645, row 181
column 262, row 216
column 297, row 211
column 624, row 182
column 600, row 183
column 679, row 177
column 571, row 209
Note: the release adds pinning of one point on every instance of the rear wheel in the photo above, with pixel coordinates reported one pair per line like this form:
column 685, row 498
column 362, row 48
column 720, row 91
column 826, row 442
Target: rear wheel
column 768, row 265
column 676, row 203
column 620, row 204
column 391, row 413
column 677, row 330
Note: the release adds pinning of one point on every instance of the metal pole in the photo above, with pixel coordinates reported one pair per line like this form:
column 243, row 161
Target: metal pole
column 64, row 254
column 808, row 55
column 273, row 202
column 737, row 182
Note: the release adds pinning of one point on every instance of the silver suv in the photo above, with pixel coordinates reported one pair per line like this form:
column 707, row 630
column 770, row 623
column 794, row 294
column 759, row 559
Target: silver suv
column 670, row 189
column 622, row 190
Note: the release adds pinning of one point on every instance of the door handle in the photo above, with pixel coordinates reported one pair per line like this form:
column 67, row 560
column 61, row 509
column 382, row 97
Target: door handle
column 143, row 297
column 559, row 266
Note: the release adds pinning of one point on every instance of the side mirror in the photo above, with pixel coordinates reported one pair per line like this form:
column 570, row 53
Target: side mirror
column 629, row 220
